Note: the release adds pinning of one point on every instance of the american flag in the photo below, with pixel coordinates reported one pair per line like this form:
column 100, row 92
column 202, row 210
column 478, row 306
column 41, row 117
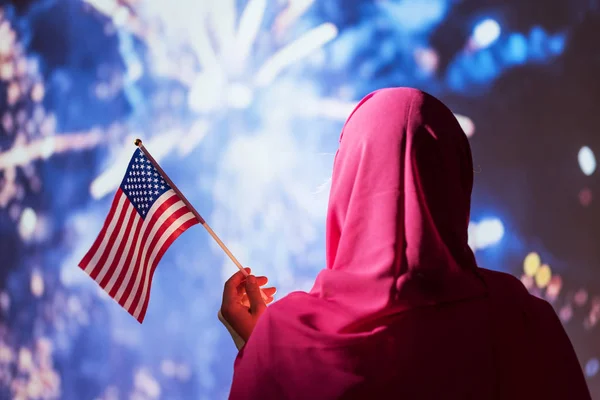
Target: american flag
column 146, row 216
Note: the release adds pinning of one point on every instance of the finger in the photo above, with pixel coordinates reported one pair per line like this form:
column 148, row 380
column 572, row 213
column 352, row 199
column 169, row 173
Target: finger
column 261, row 280
column 257, row 304
column 233, row 282
column 270, row 291
column 269, row 300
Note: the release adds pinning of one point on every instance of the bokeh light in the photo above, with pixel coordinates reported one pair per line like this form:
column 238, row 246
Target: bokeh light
column 581, row 297
column 37, row 283
column 486, row 233
column 585, row 197
column 554, row 287
column 466, row 124
column 592, row 367
column 486, row 33
column 532, row 263
column 565, row 313
column 27, row 223
column 587, row 160
column 543, row 276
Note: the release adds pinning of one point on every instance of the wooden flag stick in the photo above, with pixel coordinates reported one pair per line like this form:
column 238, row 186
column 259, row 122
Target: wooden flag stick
column 138, row 143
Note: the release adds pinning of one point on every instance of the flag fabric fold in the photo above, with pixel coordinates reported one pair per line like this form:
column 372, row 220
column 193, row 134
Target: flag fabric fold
column 145, row 218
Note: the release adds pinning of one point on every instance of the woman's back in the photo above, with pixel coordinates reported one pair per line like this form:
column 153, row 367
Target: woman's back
column 402, row 309
column 504, row 345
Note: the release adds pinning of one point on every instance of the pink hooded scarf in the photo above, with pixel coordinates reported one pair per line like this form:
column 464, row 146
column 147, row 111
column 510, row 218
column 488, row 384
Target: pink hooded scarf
column 402, row 310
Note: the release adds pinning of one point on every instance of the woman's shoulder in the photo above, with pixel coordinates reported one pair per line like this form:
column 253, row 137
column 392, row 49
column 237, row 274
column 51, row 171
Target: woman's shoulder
column 507, row 289
column 502, row 280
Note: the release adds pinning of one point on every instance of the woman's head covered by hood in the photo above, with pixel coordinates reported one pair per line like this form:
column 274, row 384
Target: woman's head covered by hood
column 374, row 325
column 399, row 207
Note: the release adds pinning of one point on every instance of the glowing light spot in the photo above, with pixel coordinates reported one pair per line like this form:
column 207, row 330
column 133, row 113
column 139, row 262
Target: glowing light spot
column 532, row 264
column 590, row 321
column 566, row 313
column 587, row 160
column 554, row 287
column 585, row 197
column 27, row 223
column 486, row 233
column 490, row 232
column 7, row 71
column 37, row 284
column 592, row 367
column 486, row 33
column 13, row 93
column 37, row 93
column 4, row 301
column 466, row 124
column 543, row 275
column 7, row 39
column 427, row 59
column 594, row 314
column 7, row 122
column 25, row 359
column 580, row 297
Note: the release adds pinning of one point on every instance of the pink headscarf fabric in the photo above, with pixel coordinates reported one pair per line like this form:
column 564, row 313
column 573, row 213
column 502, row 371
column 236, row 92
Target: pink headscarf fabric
column 402, row 308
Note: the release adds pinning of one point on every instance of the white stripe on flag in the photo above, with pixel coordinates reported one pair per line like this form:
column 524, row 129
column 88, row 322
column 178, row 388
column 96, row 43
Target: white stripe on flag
column 130, row 210
column 98, row 254
column 146, row 281
column 159, row 222
column 163, row 198
column 128, row 248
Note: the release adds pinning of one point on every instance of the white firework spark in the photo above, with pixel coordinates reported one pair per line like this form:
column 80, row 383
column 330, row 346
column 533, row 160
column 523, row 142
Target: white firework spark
column 217, row 75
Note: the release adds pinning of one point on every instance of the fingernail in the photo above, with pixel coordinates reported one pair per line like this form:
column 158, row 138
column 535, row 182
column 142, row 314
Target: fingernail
column 251, row 279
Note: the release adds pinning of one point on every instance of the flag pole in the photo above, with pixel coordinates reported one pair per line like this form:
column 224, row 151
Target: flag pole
column 140, row 145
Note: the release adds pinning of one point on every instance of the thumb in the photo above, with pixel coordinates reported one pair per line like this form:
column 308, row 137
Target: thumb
column 257, row 304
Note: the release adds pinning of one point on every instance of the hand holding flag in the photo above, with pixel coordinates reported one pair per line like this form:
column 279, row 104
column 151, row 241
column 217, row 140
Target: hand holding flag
column 147, row 214
column 243, row 305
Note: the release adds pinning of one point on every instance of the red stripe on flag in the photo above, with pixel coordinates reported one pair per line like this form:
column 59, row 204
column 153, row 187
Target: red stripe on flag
column 144, row 264
column 159, row 256
column 113, row 265
column 111, row 240
column 123, row 271
column 136, row 267
column 90, row 254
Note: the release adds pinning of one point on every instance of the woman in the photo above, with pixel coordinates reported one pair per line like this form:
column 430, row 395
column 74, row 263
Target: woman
column 402, row 311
